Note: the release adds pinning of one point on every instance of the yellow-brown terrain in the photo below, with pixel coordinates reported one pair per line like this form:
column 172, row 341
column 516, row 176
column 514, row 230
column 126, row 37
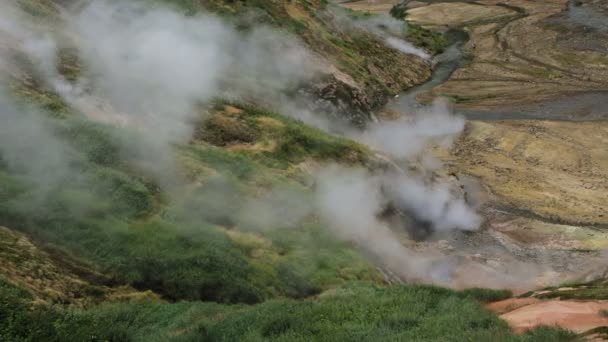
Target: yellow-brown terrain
column 533, row 82
column 371, row 6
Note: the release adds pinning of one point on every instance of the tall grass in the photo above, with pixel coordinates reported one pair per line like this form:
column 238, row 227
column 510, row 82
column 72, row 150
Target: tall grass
column 356, row 312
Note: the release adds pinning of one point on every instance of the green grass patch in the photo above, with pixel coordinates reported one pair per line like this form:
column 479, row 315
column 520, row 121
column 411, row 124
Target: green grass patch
column 585, row 292
column 431, row 41
column 30, row 92
column 577, row 290
column 486, row 295
column 399, row 11
column 355, row 312
column 296, row 141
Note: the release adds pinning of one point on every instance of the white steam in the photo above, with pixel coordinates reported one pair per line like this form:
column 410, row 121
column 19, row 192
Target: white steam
column 387, row 28
column 153, row 66
column 349, row 202
column 406, row 47
column 278, row 208
column 435, row 203
column 408, row 136
column 28, row 146
column 149, row 69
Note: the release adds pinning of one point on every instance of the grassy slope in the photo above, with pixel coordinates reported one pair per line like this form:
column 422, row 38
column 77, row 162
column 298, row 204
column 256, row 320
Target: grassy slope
column 128, row 228
column 356, row 312
column 182, row 247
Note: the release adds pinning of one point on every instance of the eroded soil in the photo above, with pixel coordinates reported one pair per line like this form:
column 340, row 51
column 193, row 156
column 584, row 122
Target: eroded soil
column 577, row 316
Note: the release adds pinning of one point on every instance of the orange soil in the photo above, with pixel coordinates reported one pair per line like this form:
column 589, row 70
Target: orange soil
column 527, row 313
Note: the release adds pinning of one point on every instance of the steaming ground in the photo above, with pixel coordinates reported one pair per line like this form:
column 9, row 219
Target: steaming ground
column 147, row 71
column 541, row 212
column 153, row 67
column 543, row 178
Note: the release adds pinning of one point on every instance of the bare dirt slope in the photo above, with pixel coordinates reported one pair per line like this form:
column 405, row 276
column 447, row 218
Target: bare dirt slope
column 578, row 316
column 545, row 180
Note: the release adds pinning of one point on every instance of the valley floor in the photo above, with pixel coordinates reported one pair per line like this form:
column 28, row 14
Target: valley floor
column 535, row 82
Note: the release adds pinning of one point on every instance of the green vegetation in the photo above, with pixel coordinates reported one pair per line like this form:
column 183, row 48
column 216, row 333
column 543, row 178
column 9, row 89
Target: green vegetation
column 50, row 102
column 39, row 8
column 596, row 290
column 106, row 210
column 358, row 14
column 399, row 11
column 487, row 295
column 431, row 41
column 68, row 63
column 358, row 311
column 296, row 141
